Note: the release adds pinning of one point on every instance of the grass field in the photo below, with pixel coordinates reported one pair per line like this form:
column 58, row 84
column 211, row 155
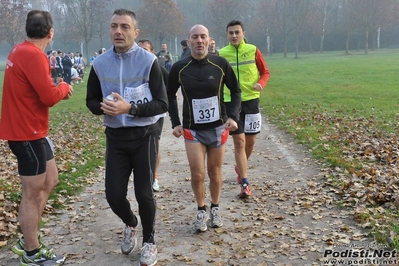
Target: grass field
column 331, row 102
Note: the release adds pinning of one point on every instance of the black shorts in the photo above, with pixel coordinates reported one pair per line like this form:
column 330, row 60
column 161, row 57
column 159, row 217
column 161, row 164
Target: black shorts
column 53, row 73
column 250, row 118
column 160, row 126
column 32, row 155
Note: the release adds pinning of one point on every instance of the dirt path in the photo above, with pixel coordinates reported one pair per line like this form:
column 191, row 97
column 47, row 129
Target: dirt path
column 291, row 219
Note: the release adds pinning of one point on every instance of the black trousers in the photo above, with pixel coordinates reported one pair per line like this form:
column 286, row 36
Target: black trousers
column 123, row 157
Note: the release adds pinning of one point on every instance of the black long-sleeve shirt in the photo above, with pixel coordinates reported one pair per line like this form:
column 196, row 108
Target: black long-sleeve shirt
column 199, row 80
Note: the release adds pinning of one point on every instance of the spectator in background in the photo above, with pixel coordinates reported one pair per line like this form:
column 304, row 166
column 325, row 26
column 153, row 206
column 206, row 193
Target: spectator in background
column 186, row 50
column 52, row 66
column 168, row 62
column 67, row 65
column 58, row 64
column 161, row 54
column 72, row 57
column 212, row 47
column 81, row 62
column 93, row 57
column 75, row 76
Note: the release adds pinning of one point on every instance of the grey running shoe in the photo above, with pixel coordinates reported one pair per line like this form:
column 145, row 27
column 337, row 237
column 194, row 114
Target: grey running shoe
column 148, row 255
column 129, row 240
column 215, row 219
column 19, row 247
column 43, row 257
column 200, row 223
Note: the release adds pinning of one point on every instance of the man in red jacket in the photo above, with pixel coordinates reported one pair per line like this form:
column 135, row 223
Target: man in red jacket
column 28, row 93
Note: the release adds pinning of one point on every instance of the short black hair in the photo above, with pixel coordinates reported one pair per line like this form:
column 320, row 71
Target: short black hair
column 147, row 41
column 234, row 23
column 124, row 11
column 38, row 24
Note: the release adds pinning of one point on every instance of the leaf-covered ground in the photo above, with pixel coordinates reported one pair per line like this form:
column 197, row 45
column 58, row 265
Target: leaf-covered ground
column 293, row 216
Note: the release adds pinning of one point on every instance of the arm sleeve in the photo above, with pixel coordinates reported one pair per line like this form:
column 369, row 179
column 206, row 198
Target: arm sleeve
column 159, row 103
column 94, row 95
column 235, row 92
column 172, row 88
column 42, row 83
column 262, row 68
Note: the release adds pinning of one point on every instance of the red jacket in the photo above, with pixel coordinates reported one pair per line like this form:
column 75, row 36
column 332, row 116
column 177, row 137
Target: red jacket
column 28, row 92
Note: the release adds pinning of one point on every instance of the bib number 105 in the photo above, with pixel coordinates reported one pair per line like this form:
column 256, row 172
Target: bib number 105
column 253, row 123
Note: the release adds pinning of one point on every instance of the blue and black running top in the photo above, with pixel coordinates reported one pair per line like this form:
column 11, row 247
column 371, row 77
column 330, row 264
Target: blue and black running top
column 202, row 83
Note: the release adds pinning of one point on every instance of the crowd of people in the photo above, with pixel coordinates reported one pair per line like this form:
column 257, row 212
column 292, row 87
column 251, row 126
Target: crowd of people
column 220, row 88
column 68, row 66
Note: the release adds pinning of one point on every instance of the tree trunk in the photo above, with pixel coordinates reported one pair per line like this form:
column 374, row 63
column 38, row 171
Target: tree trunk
column 285, row 46
column 348, row 37
column 271, row 46
column 296, row 46
column 366, row 45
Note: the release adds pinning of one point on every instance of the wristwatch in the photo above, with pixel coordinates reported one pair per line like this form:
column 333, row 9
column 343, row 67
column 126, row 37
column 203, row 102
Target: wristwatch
column 133, row 109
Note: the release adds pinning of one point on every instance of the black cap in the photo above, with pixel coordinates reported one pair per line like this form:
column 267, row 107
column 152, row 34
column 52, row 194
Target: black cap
column 183, row 42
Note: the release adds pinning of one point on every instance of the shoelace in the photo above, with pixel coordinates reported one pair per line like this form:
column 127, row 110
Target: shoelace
column 215, row 213
column 48, row 254
column 146, row 250
column 127, row 236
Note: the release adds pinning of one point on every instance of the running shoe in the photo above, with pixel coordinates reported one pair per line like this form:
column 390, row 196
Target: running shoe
column 155, row 185
column 148, row 255
column 43, row 257
column 129, row 240
column 239, row 181
column 215, row 218
column 245, row 191
column 200, row 223
column 19, row 247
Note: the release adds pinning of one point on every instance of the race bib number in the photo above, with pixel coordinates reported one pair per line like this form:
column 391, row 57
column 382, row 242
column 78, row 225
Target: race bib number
column 206, row 110
column 137, row 95
column 253, row 123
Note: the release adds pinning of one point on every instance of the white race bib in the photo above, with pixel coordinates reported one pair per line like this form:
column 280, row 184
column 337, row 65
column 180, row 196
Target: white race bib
column 206, row 110
column 137, row 95
column 253, row 123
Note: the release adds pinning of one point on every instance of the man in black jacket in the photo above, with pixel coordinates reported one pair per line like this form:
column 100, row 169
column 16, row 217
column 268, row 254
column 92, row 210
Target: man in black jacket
column 186, row 50
column 66, row 66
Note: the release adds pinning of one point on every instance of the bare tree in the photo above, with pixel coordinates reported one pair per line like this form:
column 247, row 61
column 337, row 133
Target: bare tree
column 325, row 10
column 284, row 25
column 82, row 15
column 298, row 12
column 221, row 12
column 266, row 16
column 161, row 19
column 371, row 14
column 12, row 17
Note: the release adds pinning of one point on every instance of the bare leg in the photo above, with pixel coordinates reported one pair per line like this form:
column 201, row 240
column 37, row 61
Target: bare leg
column 214, row 161
column 249, row 144
column 35, row 192
column 196, row 159
column 240, row 155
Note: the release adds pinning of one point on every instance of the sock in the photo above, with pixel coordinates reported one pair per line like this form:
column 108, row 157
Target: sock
column 203, row 208
column 33, row 252
column 214, row 205
column 244, row 181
